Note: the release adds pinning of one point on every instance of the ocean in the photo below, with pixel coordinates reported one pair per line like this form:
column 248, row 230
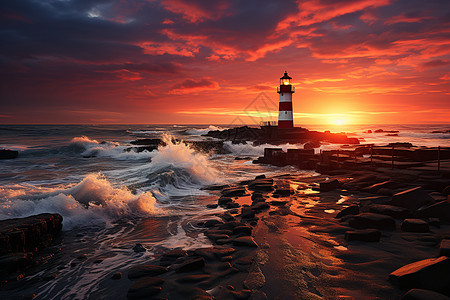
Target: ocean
column 111, row 198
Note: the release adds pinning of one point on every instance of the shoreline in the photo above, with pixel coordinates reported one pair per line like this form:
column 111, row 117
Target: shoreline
column 284, row 231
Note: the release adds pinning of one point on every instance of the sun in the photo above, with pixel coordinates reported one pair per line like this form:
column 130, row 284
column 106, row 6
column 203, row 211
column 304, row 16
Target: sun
column 339, row 122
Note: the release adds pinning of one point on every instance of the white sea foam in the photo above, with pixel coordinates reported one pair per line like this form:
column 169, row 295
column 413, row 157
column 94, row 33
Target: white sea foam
column 108, row 149
column 203, row 131
column 249, row 149
column 92, row 201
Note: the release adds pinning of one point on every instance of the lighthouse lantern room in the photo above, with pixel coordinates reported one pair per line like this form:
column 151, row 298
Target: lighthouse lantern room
column 285, row 116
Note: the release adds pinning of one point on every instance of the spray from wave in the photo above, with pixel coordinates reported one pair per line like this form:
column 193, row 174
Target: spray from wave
column 203, row 131
column 94, row 200
column 92, row 148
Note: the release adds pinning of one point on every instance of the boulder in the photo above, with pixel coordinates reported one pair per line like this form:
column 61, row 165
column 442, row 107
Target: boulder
column 212, row 253
column 430, row 274
column 247, row 212
column 224, row 200
column 414, row 225
column 213, row 222
column 145, row 270
column 412, row 199
column 246, row 230
column 444, row 248
column 439, row 210
column 330, row 185
column 260, row 206
column 364, row 235
column 351, row 210
column 390, row 210
column 419, row 294
column 191, row 265
column 371, row 220
column 145, row 287
column 282, row 192
column 233, row 192
column 245, row 241
column 28, row 234
column 8, row 154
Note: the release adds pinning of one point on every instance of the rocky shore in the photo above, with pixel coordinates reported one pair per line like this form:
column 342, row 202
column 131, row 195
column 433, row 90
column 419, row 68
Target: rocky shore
column 21, row 238
column 357, row 234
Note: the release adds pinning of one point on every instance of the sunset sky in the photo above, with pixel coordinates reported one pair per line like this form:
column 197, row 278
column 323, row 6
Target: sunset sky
column 219, row 62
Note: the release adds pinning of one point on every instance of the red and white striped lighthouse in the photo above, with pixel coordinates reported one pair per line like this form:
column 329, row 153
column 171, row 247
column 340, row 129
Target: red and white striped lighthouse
column 285, row 116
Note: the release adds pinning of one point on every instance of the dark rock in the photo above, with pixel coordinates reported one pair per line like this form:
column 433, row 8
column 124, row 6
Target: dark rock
column 330, row 185
column 116, row 276
column 193, row 278
column 446, row 190
column 213, row 253
column 191, row 265
column 232, row 205
column 431, row 274
column 28, row 234
column 311, row 145
column 396, row 212
column 260, row 206
column 215, row 237
column 247, row 213
column 414, row 225
column 419, row 294
column 278, row 202
column 14, row 262
column 371, row 220
column 246, row 241
column 282, row 192
column 364, row 235
column 8, row 154
column 412, row 199
column 263, row 185
column 145, row 287
column 444, row 248
column 439, row 210
column 233, row 191
column 212, row 206
column 351, row 210
column 213, row 222
column 227, row 217
column 435, row 222
column 145, row 270
column 246, row 230
column 139, row 248
column 224, row 200
column 174, row 254
column 256, row 196
column 262, row 176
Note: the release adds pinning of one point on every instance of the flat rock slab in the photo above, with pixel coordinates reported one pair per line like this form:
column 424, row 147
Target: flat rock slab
column 351, row 210
column 330, row 185
column 191, row 265
column 412, row 199
column 364, row 235
column 246, row 241
column 145, row 287
column 211, row 253
column 439, row 210
column 444, row 248
column 430, row 274
column 234, row 191
column 390, row 210
column 28, row 234
column 146, row 270
column 414, row 225
column 419, row 294
column 371, row 220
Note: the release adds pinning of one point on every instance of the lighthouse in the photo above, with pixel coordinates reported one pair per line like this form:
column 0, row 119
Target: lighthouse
column 285, row 116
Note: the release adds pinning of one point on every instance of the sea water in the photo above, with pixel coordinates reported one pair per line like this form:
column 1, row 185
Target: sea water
column 112, row 197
